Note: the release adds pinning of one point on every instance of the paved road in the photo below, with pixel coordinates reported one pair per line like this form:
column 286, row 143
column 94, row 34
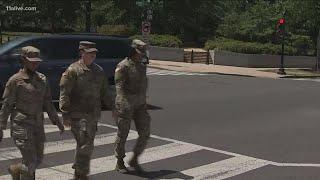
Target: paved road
column 206, row 126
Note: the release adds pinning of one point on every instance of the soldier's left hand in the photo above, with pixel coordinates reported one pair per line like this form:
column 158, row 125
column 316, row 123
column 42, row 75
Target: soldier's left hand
column 61, row 127
column 1, row 135
column 114, row 114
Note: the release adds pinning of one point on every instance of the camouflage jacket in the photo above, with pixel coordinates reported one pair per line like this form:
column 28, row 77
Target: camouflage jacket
column 131, row 82
column 25, row 98
column 82, row 89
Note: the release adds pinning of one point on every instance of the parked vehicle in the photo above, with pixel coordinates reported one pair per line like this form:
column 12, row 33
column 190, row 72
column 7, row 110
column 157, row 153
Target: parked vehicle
column 58, row 51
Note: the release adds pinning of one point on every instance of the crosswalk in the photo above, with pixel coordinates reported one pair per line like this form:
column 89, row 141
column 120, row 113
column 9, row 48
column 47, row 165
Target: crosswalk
column 163, row 72
column 190, row 160
column 307, row 79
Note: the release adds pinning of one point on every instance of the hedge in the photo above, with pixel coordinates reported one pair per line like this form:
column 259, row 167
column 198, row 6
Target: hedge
column 161, row 40
column 122, row 30
column 303, row 44
column 248, row 47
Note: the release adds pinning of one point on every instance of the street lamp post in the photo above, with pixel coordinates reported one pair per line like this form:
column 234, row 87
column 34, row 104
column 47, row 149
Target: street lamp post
column 281, row 69
column 282, row 32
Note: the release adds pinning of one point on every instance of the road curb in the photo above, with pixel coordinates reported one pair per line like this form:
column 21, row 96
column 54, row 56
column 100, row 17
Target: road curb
column 299, row 77
column 241, row 75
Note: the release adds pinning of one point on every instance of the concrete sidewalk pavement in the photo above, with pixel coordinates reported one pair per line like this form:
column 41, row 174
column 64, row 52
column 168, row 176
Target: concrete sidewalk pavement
column 218, row 69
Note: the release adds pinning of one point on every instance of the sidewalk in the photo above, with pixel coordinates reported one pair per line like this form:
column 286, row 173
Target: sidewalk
column 215, row 69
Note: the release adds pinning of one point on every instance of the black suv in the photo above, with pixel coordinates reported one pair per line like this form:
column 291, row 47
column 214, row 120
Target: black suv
column 58, row 52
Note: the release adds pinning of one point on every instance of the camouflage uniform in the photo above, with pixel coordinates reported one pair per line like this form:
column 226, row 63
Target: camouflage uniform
column 131, row 86
column 25, row 97
column 82, row 89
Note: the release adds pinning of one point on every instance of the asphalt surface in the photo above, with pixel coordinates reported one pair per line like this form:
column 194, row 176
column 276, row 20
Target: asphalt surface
column 222, row 117
column 275, row 120
column 271, row 119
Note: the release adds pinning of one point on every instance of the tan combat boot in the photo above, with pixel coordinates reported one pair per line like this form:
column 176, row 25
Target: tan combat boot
column 136, row 166
column 120, row 167
column 15, row 171
column 82, row 177
column 79, row 176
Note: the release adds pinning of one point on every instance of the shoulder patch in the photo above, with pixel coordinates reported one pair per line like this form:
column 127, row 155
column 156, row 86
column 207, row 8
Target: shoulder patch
column 15, row 77
column 41, row 76
column 117, row 69
column 65, row 73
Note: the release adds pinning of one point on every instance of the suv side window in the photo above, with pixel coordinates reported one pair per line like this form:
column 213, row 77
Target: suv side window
column 17, row 50
column 54, row 49
column 37, row 43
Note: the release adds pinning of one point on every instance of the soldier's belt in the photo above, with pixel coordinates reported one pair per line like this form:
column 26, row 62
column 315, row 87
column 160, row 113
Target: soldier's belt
column 25, row 118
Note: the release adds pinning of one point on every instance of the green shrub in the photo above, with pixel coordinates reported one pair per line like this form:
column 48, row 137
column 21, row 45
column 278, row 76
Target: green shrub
column 302, row 43
column 248, row 47
column 122, row 30
column 161, row 40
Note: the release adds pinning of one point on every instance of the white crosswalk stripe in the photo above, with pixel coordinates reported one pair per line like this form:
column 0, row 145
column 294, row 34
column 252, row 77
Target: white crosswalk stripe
column 308, row 79
column 106, row 164
column 61, row 170
column 63, row 145
column 48, row 129
column 225, row 168
column 162, row 72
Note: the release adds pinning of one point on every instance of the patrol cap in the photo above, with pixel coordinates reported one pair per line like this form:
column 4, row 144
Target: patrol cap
column 88, row 46
column 31, row 53
column 139, row 46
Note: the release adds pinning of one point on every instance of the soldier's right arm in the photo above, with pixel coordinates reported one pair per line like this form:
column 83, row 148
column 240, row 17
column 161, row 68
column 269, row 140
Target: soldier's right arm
column 119, row 78
column 67, row 83
column 9, row 99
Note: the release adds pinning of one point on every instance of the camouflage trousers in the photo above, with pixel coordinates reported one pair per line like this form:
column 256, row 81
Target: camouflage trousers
column 30, row 142
column 141, row 118
column 84, row 131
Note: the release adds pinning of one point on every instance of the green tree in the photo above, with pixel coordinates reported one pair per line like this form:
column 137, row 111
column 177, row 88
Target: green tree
column 191, row 20
column 303, row 17
column 105, row 12
column 256, row 24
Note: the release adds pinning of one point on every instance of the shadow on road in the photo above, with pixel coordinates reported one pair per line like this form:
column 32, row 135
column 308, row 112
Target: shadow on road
column 163, row 174
column 152, row 107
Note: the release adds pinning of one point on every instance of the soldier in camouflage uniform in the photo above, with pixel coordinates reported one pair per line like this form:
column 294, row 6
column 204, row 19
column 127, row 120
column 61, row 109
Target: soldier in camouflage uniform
column 131, row 86
column 83, row 87
column 26, row 96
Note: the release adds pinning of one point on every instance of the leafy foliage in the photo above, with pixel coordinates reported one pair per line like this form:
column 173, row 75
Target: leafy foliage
column 249, row 47
column 122, row 30
column 189, row 20
column 161, row 40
